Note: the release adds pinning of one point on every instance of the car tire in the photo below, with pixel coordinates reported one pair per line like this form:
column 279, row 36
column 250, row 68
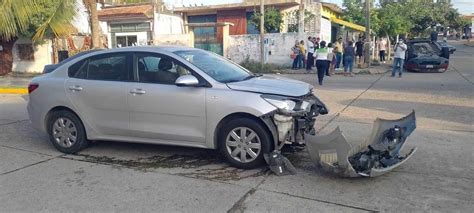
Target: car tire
column 66, row 132
column 244, row 152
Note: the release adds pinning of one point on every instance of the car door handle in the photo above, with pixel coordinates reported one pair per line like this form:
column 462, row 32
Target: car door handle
column 137, row 92
column 75, row 88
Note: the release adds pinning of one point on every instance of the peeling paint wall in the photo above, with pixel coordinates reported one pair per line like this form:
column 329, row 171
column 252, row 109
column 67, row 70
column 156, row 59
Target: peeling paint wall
column 174, row 39
column 277, row 47
column 167, row 24
column 42, row 57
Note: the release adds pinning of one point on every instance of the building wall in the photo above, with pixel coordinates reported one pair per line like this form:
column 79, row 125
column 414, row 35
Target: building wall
column 236, row 17
column 42, row 57
column 325, row 32
column 313, row 25
column 168, row 24
column 174, row 39
column 277, row 47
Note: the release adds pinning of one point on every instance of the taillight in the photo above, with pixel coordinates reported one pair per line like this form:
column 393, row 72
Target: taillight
column 32, row 87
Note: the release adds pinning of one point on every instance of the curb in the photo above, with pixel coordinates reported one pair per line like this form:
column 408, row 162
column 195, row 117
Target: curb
column 13, row 90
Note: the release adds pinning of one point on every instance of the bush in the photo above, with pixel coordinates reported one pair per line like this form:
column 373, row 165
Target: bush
column 255, row 66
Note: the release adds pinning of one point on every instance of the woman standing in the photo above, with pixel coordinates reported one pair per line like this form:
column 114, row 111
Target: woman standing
column 295, row 55
column 382, row 49
column 321, row 56
column 330, row 58
column 349, row 55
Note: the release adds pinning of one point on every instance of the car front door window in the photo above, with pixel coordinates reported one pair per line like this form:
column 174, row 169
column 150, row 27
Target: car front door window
column 159, row 69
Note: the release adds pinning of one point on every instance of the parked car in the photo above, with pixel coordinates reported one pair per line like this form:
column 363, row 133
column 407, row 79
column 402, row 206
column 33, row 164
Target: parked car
column 425, row 56
column 171, row 95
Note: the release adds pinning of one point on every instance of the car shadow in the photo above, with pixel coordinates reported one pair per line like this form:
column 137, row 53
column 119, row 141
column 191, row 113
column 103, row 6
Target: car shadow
column 184, row 161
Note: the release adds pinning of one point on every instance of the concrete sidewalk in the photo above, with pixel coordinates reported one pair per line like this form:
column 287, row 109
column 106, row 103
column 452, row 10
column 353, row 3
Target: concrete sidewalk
column 372, row 70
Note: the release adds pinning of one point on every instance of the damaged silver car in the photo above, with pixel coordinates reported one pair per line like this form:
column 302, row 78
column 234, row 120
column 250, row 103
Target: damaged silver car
column 178, row 96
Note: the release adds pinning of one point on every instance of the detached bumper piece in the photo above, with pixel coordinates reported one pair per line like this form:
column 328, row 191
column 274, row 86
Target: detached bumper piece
column 379, row 154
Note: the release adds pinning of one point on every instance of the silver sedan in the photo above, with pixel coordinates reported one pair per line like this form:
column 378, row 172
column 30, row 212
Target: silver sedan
column 171, row 95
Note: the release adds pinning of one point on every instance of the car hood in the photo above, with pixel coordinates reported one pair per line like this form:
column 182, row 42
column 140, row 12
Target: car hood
column 272, row 85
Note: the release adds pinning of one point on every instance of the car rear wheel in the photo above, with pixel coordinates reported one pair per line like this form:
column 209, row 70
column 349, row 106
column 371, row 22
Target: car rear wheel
column 243, row 141
column 66, row 132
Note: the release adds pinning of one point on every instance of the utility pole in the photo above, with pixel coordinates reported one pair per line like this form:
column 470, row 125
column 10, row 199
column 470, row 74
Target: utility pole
column 262, row 42
column 367, row 32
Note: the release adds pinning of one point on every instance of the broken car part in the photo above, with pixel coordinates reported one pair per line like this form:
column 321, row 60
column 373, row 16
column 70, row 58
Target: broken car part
column 293, row 118
column 379, row 154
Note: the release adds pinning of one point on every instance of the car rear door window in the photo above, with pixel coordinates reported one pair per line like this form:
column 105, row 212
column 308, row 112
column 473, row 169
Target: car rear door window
column 108, row 68
column 111, row 67
column 78, row 69
column 155, row 68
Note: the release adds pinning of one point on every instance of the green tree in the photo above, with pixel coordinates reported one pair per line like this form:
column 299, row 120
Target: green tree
column 33, row 19
column 273, row 20
column 392, row 22
column 413, row 17
column 354, row 11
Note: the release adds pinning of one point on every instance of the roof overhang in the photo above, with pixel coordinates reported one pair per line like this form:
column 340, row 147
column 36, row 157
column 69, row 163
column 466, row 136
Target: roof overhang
column 348, row 24
column 143, row 11
column 209, row 24
column 247, row 4
column 333, row 7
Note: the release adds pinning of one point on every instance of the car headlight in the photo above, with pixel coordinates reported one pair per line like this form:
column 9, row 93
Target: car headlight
column 280, row 102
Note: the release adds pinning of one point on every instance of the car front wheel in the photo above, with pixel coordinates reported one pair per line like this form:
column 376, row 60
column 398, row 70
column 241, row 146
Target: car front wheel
column 66, row 132
column 243, row 142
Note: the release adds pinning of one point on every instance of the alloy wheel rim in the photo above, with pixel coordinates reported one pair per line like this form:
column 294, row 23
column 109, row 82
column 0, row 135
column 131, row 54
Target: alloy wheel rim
column 243, row 144
column 64, row 132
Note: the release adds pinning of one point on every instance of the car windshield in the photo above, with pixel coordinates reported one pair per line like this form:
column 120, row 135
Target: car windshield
column 219, row 68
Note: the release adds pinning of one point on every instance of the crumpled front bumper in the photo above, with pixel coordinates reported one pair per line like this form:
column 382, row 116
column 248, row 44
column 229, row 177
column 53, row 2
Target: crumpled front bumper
column 379, row 154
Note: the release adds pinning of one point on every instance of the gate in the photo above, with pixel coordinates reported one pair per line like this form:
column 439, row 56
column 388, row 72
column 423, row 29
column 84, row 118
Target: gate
column 205, row 38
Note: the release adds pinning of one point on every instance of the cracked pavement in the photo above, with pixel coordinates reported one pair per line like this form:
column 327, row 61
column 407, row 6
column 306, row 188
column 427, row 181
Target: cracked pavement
column 140, row 177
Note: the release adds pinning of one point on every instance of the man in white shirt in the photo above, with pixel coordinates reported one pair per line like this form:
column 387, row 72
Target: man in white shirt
column 309, row 58
column 399, row 57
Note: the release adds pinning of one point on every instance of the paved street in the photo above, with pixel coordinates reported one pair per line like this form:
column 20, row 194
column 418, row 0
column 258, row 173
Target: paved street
column 137, row 177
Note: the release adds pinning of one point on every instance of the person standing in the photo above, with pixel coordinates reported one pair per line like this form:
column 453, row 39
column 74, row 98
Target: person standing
column 302, row 62
column 399, row 57
column 316, row 43
column 330, row 57
column 295, row 55
column 310, row 50
column 349, row 55
column 382, row 49
column 434, row 34
column 321, row 61
column 339, row 50
column 360, row 51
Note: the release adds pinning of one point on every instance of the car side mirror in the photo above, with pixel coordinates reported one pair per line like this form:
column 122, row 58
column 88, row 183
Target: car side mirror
column 187, row 81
